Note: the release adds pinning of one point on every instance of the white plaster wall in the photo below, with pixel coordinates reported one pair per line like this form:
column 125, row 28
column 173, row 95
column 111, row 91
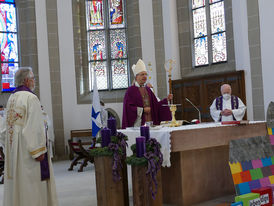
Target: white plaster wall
column 43, row 56
column 75, row 116
column 241, row 45
column 171, row 39
column 147, row 37
column 266, row 8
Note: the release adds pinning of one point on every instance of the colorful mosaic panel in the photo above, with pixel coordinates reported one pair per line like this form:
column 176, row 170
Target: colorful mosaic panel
column 252, row 174
column 119, row 74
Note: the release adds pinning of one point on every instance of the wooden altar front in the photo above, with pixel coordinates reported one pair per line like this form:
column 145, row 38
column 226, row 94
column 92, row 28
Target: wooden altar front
column 199, row 163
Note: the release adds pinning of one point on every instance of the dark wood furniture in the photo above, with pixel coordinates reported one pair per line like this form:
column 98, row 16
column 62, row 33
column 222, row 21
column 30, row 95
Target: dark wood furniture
column 2, row 163
column 82, row 133
column 202, row 90
column 109, row 192
column 80, row 154
column 199, row 163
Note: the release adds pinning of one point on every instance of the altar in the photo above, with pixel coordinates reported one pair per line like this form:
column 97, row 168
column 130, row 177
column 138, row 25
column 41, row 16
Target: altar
column 195, row 166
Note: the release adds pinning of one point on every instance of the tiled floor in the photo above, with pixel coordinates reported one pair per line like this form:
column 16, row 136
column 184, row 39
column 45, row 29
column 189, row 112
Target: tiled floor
column 79, row 189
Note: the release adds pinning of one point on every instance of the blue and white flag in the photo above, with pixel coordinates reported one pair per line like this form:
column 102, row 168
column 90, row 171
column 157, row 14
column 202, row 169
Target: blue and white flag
column 96, row 109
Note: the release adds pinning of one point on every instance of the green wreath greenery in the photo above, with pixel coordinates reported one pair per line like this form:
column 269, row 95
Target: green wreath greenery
column 116, row 149
column 140, row 161
column 105, row 151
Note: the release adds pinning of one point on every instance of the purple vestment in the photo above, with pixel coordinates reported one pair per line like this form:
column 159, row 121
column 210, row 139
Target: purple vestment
column 234, row 103
column 133, row 99
column 44, row 164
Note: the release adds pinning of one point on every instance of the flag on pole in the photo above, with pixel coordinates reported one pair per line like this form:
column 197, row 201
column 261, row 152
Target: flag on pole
column 96, row 108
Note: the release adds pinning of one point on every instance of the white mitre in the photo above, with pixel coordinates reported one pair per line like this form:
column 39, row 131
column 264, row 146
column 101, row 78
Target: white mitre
column 139, row 67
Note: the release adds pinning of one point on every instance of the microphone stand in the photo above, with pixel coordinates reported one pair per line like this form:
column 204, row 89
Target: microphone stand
column 195, row 108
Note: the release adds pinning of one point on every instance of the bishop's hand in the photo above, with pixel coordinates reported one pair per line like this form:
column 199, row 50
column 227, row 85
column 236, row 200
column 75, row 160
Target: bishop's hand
column 170, row 97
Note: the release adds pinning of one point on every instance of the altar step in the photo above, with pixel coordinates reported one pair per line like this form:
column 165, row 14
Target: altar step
column 221, row 201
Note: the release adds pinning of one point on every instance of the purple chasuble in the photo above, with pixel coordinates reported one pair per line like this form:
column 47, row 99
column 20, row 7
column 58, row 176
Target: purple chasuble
column 133, row 99
column 234, row 103
column 44, row 164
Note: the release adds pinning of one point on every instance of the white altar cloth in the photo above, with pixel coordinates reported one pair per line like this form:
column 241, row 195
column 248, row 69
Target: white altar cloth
column 162, row 135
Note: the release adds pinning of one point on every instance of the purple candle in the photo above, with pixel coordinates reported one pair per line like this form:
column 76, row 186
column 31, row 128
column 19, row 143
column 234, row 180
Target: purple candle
column 105, row 133
column 144, row 130
column 112, row 125
column 140, row 146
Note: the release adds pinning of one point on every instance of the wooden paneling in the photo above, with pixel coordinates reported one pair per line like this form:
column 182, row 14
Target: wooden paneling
column 141, row 191
column 110, row 193
column 202, row 90
column 199, row 163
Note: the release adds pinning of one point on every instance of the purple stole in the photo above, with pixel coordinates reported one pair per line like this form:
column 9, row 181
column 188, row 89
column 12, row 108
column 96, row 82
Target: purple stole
column 44, row 164
column 234, row 103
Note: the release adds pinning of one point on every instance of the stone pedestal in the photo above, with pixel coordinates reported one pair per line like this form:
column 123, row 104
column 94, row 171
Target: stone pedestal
column 110, row 193
column 140, row 186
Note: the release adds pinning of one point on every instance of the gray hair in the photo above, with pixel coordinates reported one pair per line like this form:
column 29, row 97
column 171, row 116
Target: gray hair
column 224, row 85
column 21, row 75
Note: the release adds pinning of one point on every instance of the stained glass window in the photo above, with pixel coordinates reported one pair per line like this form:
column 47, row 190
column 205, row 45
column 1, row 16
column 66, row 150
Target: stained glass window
column 107, row 43
column 201, row 51
column 95, row 14
column 116, row 14
column 217, row 17
column 97, row 50
column 118, row 44
column 209, row 35
column 219, row 47
column 197, row 3
column 199, row 21
column 9, row 45
column 100, row 68
column 119, row 73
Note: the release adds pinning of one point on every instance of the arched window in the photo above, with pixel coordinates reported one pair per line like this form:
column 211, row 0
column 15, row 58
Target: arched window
column 209, row 32
column 9, row 45
column 107, row 43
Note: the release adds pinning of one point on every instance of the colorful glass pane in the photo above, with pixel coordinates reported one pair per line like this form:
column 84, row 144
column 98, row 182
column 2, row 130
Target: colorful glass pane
column 219, row 47
column 199, row 21
column 197, row 3
column 8, row 71
column 201, row 51
column 213, row 1
column 217, row 17
column 95, row 14
column 97, row 45
column 116, row 14
column 9, row 1
column 119, row 70
column 9, row 49
column 101, row 74
column 118, row 43
column 7, row 17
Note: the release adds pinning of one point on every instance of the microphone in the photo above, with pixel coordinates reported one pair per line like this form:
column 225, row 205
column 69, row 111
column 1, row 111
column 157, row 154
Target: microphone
column 195, row 108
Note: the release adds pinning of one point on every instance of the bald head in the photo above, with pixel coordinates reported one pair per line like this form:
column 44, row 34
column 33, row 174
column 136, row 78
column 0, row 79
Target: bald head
column 226, row 89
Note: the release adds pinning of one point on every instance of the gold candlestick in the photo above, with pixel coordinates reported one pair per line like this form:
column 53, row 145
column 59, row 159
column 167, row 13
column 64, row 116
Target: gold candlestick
column 169, row 64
